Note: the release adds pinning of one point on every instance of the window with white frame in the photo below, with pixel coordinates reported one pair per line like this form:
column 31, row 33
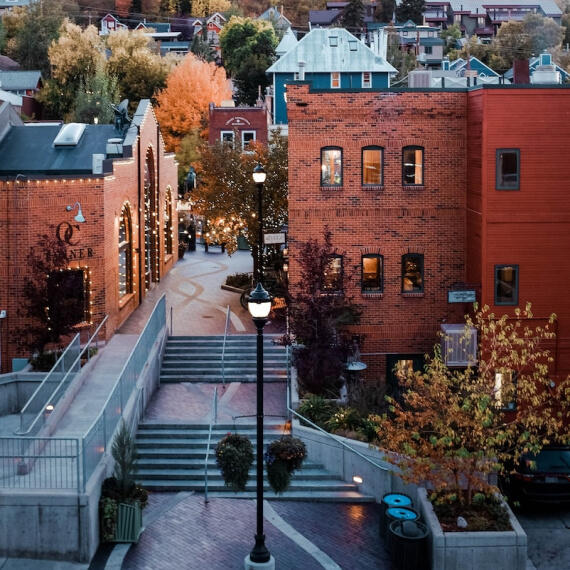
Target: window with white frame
column 246, row 138
column 366, row 80
column 227, row 137
column 335, row 80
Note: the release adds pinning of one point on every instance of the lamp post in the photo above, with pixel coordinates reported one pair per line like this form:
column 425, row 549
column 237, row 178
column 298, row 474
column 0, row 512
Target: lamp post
column 259, row 305
column 259, row 176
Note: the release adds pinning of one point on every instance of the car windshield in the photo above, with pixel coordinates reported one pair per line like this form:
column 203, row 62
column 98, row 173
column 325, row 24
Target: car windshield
column 549, row 460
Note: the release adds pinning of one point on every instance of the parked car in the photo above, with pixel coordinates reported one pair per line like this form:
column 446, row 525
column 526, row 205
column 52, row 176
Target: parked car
column 540, row 478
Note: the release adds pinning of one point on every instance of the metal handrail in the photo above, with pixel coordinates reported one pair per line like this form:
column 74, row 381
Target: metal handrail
column 213, row 419
column 315, row 426
column 224, row 345
column 73, row 368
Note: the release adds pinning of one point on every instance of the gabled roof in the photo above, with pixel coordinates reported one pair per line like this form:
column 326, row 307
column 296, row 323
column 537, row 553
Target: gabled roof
column 272, row 14
column 532, row 63
column 7, row 64
column 20, row 80
column 287, row 43
column 158, row 27
column 330, row 49
column 460, row 64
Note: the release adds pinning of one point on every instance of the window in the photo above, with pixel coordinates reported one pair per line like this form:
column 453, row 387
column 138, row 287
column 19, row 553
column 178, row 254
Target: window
column 125, row 256
column 333, row 41
column 372, row 272
column 428, row 50
column 168, row 223
column 353, row 45
column 366, row 80
column 505, row 390
column 372, row 158
column 246, row 138
column 67, row 298
column 413, row 166
column 331, row 166
column 412, row 273
column 508, row 168
column 228, row 137
column 506, row 284
column 335, row 80
column 332, row 279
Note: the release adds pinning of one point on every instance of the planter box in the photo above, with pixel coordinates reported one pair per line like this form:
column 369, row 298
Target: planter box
column 129, row 523
column 472, row 550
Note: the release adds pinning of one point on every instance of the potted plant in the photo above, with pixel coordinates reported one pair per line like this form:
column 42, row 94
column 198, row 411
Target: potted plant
column 122, row 498
column 234, row 457
column 282, row 458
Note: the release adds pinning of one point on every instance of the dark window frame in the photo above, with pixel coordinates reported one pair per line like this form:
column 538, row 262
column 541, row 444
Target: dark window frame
column 515, row 300
column 414, row 148
column 337, row 283
column 125, row 253
column 405, row 273
column 499, row 176
column 372, row 148
column 331, row 175
column 380, row 279
column 67, row 298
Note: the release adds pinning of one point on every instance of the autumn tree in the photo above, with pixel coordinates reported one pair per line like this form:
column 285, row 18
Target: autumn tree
column 202, row 8
column 227, row 196
column 454, row 427
column 248, row 48
column 95, row 97
column 136, row 62
column 318, row 317
column 184, row 103
column 74, row 58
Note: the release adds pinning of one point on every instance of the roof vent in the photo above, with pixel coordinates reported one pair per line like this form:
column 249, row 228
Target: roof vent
column 114, row 148
column 69, row 135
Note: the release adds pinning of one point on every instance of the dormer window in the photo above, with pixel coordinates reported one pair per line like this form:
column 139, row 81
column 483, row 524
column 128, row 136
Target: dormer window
column 333, row 41
column 353, row 45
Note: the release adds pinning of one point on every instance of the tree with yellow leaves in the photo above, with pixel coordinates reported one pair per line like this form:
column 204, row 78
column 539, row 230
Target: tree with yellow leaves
column 453, row 427
column 184, row 103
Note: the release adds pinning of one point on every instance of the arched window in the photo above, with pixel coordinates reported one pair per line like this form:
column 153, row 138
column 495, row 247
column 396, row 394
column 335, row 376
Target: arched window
column 168, row 223
column 412, row 166
column 372, row 166
column 125, row 253
column 331, row 166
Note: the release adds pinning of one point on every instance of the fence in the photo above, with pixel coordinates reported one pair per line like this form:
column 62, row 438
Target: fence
column 67, row 463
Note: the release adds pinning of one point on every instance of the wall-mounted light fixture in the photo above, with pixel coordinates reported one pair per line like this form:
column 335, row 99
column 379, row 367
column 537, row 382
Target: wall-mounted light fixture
column 79, row 218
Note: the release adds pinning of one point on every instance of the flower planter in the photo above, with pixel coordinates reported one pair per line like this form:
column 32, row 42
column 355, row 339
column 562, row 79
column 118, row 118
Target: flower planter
column 472, row 550
column 122, row 524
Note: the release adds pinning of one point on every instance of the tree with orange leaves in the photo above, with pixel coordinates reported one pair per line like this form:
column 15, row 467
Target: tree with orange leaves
column 183, row 105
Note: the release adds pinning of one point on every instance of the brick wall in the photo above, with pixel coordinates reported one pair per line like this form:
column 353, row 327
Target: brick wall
column 389, row 220
column 31, row 208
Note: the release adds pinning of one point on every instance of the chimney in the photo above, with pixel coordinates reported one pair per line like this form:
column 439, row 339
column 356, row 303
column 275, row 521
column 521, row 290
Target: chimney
column 521, row 75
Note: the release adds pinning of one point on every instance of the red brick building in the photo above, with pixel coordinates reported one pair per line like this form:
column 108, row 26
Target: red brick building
column 433, row 198
column 238, row 125
column 107, row 191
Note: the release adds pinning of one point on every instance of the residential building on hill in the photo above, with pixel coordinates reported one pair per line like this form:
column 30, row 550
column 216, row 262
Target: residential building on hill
column 435, row 199
column 108, row 192
column 331, row 59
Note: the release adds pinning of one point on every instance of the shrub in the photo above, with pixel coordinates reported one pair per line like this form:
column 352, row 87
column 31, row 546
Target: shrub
column 317, row 409
column 234, row 457
column 239, row 280
column 347, row 419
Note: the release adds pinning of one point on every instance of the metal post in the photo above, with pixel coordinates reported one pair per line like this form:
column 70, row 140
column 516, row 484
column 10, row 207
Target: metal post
column 260, row 218
column 259, row 554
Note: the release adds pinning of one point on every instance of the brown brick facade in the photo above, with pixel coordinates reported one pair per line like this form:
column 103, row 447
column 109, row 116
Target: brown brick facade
column 31, row 206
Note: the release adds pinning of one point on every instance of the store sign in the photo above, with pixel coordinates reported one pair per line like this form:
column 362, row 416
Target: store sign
column 465, row 296
column 274, row 238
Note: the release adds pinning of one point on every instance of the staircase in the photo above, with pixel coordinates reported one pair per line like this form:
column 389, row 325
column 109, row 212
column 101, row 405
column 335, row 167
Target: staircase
column 199, row 359
column 171, row 457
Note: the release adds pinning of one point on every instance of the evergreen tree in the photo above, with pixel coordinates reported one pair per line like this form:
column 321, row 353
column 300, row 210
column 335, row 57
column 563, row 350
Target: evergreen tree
column 411, row 10
column 202, row 49
column 94, row 98
column 385, row 10
column 353, row 16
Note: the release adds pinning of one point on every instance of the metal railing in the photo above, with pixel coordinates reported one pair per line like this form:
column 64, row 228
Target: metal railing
column 320, row 429
column 213, row 420
column 46, row 396
column 95, row 441
column 226, row 333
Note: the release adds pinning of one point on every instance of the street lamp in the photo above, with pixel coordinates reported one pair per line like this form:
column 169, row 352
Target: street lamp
column 259, row 176
column 259, row 305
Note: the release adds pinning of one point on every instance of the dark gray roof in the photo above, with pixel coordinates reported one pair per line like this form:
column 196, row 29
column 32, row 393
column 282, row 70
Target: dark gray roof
column 29, row 150
column 19, row 80
column 7, row 64
column 324, row 17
